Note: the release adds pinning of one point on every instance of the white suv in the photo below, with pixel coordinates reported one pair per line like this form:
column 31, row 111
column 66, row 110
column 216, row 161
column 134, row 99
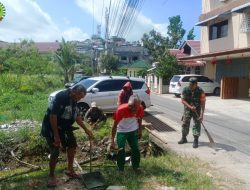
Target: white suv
column 178, row 82
column 104, row 91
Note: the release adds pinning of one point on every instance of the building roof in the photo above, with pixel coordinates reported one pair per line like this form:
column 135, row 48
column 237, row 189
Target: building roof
column 218, row 54
column 3, row 44
column 43, row 47
column 222, row 9
column 140, row 64
column 195, row 45
column 46, row 47
column 177, row 53
column 129, row 49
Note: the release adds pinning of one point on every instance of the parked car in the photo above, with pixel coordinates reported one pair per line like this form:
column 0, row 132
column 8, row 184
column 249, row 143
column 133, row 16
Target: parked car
column 104, row 91
column 75, row 80
column 178, row 82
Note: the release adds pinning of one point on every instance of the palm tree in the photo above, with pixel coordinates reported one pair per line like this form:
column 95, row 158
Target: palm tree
column 65, row 57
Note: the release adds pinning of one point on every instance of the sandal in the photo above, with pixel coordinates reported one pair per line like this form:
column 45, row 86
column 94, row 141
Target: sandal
column 72, row 174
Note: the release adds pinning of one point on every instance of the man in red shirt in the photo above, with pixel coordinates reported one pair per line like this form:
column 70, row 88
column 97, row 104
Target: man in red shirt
column 127, row 127
column 125, row 93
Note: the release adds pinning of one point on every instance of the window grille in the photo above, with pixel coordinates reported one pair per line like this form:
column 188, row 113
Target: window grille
column 245, row 24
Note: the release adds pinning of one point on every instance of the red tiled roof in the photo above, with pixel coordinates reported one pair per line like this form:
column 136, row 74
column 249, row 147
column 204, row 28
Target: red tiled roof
column 43, row 47
column 177, row 52
column 46, row 47
column 195, row 45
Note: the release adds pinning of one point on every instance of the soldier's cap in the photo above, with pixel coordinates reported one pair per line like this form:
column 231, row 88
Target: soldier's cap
column 193, row 80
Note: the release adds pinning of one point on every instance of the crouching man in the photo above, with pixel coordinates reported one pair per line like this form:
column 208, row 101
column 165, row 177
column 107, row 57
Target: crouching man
column 127, row 127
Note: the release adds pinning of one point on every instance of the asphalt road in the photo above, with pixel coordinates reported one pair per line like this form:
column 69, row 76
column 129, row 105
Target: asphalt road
column 230, row 131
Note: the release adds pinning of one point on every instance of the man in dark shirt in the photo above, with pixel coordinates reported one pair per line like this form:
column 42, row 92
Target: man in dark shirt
column 94, row 116
column 57, row 128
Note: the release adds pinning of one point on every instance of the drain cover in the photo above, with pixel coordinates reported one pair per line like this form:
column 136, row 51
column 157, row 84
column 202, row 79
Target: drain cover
column 157, row 124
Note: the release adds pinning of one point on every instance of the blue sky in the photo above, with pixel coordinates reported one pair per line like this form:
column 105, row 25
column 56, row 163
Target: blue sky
column 49, row 20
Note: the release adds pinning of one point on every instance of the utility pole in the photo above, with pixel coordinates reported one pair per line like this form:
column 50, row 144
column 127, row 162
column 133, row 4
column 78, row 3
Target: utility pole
column 106, row 31
column 99, row 30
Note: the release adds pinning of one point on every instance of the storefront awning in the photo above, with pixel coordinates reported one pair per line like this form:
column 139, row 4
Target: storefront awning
column 241, row 8
column 222, row 16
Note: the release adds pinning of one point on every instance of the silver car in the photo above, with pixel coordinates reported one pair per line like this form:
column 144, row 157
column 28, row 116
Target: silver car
column 104, row 91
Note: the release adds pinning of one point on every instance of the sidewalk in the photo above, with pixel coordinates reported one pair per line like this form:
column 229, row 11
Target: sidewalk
column 231, row 166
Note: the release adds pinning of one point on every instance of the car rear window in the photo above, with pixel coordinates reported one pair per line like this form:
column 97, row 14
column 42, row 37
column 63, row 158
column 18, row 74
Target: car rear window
column 175, row 78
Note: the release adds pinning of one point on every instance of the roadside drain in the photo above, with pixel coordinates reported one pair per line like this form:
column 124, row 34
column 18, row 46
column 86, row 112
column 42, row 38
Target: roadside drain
column 157, row 124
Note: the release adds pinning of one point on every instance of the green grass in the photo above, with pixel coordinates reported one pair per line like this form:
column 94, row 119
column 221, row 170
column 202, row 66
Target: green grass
column 25, row 97
column 166, row 170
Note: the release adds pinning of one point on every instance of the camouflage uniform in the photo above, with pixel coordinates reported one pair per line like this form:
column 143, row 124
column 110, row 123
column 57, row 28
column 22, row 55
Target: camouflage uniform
column 192, row 98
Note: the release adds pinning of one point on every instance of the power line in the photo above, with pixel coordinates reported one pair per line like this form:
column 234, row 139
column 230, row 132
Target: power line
column 135, row 17
column 93, row 22
column 102, row 12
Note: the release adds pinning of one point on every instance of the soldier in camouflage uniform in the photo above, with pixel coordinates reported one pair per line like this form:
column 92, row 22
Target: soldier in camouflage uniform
column 193, row 98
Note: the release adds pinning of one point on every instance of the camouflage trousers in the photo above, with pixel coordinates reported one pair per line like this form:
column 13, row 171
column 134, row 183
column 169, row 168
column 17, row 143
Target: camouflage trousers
column 186, row 119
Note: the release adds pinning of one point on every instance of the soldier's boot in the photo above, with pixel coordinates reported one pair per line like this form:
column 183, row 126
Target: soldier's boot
column 183, row 139
column 196, row 142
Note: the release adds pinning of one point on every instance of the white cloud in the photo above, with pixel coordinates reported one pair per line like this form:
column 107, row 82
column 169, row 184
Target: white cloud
column 75, row 33
column 26, row 20
column 142, row 24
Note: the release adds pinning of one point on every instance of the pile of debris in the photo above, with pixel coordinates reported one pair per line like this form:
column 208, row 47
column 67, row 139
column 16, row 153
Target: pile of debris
column 19, row 124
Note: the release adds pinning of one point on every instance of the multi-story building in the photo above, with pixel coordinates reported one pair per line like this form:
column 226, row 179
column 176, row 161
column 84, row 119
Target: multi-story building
column 225, row 45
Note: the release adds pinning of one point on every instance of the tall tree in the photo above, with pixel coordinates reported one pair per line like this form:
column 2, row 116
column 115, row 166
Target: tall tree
column 175, row 31
column 109, row 62
column 158, row 47
column 84, row 62
column 66, row 58
column 191, row 35
column 156, row 44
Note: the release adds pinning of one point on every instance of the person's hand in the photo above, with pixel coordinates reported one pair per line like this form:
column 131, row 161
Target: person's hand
column 200, row 118
column 193, row 108
column 57, row 141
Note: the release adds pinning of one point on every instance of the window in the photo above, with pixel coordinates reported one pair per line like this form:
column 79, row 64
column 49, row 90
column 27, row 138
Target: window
column 123, row 58
column 203, row 79
column 105, row 86
column 187, row 50
column 135, row 58
column 136, row 84
column 175, row 78
column 118, row 84
column 188, row 70
column 186, row 79
column 198, row 70
column 218, row 30
column 245, row 24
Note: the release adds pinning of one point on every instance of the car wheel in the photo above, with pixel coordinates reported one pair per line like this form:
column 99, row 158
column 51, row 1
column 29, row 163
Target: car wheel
column 143, row 105
column 83, row 107
column 217, row 91
column 177, row 95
